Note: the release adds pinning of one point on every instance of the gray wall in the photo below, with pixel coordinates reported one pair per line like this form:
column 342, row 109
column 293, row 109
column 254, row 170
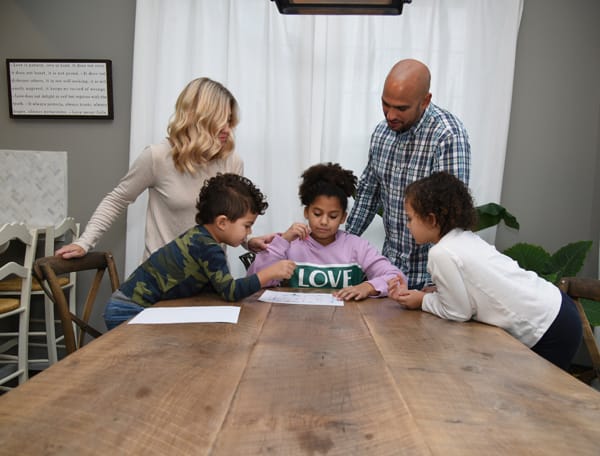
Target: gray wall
column 552, row 162
column 98, row 150
column 552, row 158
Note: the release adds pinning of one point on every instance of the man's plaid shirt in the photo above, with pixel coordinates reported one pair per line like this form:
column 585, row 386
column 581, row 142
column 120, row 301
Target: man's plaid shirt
column 438, row 142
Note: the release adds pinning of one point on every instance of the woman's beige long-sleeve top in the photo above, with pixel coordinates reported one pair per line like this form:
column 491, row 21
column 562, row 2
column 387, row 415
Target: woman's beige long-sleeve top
column 172, row 196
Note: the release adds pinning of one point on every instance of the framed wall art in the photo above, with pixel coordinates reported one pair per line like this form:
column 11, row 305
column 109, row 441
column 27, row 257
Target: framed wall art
column 55, row 88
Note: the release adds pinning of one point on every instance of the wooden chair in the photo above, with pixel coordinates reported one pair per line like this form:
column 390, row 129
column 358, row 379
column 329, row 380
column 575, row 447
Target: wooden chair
column 584, row 288
column 47, row 271
column 16, row 366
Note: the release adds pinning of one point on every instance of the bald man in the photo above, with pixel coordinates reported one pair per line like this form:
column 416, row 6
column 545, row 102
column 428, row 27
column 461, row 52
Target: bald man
column 416, row 139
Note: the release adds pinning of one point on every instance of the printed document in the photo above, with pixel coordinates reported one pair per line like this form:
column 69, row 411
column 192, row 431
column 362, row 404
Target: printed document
column 286, row 297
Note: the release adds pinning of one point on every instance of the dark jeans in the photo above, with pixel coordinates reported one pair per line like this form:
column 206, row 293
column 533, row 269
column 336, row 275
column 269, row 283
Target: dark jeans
column 120, row 309
column 562, row 339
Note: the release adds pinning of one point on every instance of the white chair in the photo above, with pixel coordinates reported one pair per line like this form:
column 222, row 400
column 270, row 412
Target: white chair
column 55, row 236
column 16, row 365
column 44, row 326
column 35, row 192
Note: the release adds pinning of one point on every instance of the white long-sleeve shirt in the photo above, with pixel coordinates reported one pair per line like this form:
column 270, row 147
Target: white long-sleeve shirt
column 475, row 281
column 172, row 196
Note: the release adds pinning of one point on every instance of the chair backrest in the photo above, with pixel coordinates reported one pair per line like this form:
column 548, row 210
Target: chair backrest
column 21, row 268
column 19, row 231
column 585, row 288
column 18, row 305
column 47, row 270
column 63, row 233
column 57, row 236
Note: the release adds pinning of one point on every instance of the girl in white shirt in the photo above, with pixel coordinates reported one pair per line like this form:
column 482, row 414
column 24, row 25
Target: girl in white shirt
column 475, row 281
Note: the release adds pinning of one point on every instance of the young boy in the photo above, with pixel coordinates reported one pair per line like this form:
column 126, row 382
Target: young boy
column 194, row 262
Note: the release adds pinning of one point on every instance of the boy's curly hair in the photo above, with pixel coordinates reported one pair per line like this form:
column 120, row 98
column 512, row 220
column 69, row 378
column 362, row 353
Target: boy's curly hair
column 230, row 195
column 445, row 196
column 327, row 179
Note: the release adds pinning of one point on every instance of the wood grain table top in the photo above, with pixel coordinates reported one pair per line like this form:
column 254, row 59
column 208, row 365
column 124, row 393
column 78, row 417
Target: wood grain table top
column 368, row 378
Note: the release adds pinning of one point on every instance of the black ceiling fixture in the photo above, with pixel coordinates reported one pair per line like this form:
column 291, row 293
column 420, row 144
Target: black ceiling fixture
column 360, row 7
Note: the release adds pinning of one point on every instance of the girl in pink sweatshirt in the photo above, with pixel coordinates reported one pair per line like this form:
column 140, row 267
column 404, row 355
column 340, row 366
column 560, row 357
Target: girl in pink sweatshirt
column 325, row 256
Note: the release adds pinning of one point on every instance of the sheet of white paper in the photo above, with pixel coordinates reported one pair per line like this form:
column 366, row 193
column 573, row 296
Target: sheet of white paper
column 286, row 297
column 207, row 314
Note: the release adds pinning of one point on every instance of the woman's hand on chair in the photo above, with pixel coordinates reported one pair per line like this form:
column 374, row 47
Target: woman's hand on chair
column 70, row 251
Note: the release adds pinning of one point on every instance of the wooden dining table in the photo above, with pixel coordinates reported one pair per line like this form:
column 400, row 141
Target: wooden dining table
column 368, row 378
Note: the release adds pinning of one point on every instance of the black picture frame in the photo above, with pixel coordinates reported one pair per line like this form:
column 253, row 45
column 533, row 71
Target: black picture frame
column 60, row 88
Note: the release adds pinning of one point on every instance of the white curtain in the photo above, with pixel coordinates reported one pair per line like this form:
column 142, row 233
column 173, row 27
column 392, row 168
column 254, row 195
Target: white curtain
column 309, row 87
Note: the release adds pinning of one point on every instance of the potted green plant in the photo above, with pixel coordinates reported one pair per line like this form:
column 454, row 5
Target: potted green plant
column 565, row 262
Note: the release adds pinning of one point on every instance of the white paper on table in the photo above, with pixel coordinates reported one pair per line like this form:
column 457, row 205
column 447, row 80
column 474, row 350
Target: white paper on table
column 287, row 297
column 205, row 314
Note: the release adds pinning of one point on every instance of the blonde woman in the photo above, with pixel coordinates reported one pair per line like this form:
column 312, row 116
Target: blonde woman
column 198, row 146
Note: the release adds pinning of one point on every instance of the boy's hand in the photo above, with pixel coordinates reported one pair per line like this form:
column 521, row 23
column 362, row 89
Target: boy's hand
column 259, row 243
column 296, row 231
column 357, row 292
column 278, row 271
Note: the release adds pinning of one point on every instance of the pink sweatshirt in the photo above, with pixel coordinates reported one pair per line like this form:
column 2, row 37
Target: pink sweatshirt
column 344, row 262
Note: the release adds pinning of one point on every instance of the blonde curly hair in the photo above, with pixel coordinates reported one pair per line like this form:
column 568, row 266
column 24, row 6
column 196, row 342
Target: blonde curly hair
column 203, row 109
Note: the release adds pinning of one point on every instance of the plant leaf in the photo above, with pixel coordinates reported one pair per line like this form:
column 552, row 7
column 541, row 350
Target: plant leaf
column 553, row 277
column 491, row 214
column 531, row 257
column 592, row 310
column 568, row 260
